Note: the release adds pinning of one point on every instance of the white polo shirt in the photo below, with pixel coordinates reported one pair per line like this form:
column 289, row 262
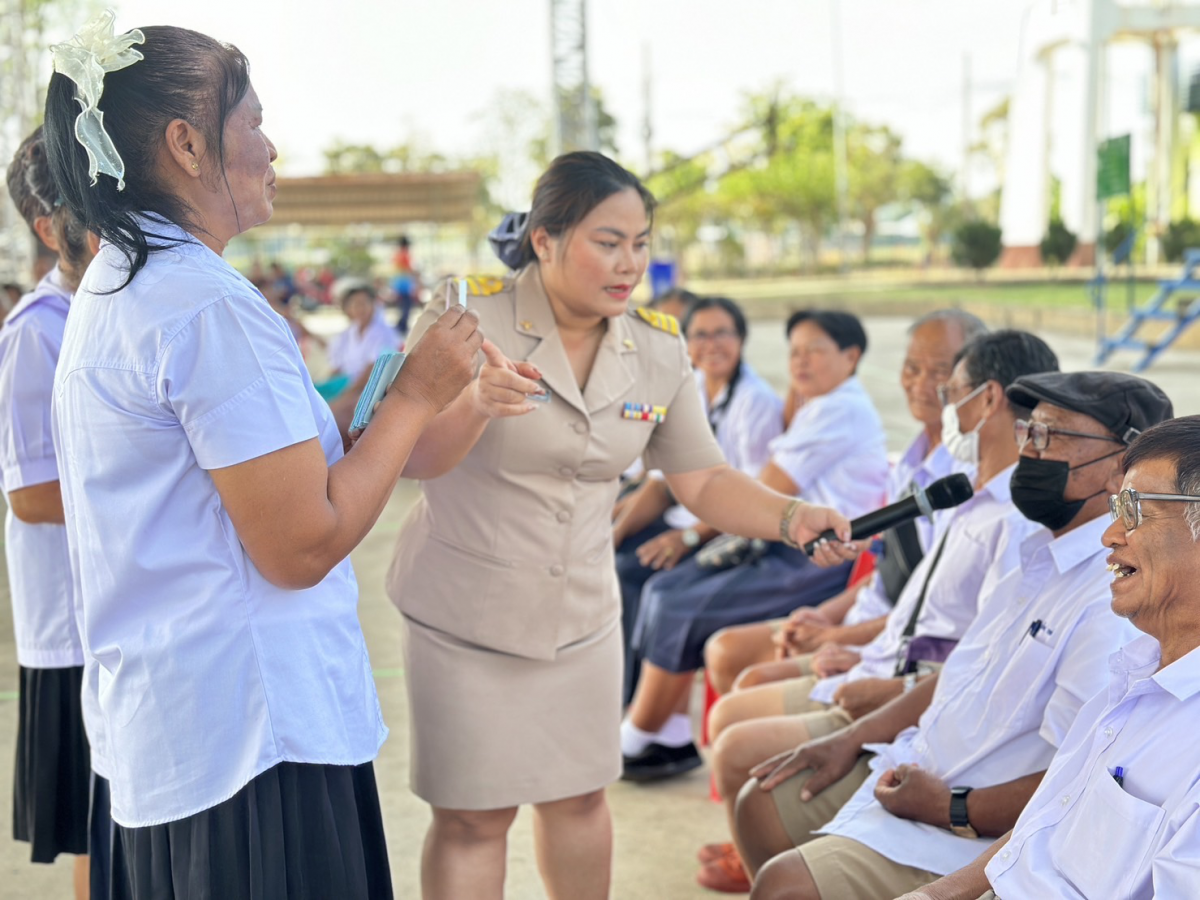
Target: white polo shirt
column 353, row 352
column 1005, row 697
column 835, row 451
column 208, row 674
column 39, row 574
column 1082, row 834
column 744, row 429
column 917, row 465
column 977, row 547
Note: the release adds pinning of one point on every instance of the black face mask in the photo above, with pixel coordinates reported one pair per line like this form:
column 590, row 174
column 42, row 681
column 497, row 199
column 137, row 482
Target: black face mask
column 1038, row 486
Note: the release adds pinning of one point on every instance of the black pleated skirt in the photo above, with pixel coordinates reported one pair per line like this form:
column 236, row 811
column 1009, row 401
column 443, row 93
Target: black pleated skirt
column 52, row 780
column 296, row 832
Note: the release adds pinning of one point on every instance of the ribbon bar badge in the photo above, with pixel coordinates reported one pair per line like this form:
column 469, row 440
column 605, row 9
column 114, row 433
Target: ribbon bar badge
column 644, row 412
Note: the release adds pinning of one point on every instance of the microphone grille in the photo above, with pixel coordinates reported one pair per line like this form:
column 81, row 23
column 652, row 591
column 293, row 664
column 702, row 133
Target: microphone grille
column 949, row 491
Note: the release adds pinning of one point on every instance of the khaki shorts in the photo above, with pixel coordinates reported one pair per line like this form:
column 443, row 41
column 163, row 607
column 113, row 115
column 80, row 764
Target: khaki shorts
column 796, row 698
column 804, row 660
column 801, row 819
column 847, row 870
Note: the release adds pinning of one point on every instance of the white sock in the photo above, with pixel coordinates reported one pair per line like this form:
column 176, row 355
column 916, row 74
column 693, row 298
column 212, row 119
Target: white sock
column 634, row 740
column 677, row 731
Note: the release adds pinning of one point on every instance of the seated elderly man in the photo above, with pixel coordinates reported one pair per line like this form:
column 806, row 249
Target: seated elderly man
column 1118, row 813
column 988, row 725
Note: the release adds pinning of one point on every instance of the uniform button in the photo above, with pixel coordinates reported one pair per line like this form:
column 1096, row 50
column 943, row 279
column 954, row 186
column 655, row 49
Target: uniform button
column 1108, row 732
column 1006, row 854
column 563, row 516
column 1066, row 799
column 579, row 427
column 556, row 571
column 566, row 471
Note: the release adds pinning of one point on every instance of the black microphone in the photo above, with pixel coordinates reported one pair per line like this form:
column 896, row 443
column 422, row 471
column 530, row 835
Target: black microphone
column 942, row 494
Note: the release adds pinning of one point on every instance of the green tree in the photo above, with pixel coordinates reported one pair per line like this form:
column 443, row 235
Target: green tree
column 1058, row 244
column 929, row 193
column 875, row 165
column 976, row 244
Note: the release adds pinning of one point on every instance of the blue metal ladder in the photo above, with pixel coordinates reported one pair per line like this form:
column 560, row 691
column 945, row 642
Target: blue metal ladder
column 1154, row 310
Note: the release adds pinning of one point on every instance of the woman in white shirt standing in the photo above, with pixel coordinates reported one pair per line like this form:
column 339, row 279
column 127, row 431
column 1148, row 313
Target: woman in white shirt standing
column 50, row 788
column 209, row 506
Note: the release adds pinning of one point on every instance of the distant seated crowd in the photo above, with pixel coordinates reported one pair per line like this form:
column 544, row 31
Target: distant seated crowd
column 1000, row 708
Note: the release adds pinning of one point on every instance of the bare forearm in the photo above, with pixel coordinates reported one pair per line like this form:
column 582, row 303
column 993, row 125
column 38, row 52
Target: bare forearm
column 642, row 508
column 968, row 883
column 39, row 504
column 993, row 811
column 882, row 725
column 857, row 635
column 733, row 502
column 329, row 509
column 447, row 440
column 835, row 608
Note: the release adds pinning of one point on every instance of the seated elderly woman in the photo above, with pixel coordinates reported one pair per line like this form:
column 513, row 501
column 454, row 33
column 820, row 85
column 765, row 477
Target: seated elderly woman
column 834, row 454
column 354, row 351
column 652, row 532
column 1118, row 812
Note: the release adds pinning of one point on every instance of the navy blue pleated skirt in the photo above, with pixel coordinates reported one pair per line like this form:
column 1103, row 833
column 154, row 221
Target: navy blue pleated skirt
column 53, row 764
column 296, row 832
column 681, row 609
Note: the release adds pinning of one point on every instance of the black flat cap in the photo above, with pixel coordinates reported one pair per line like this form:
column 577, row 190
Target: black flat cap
column 1124, row 404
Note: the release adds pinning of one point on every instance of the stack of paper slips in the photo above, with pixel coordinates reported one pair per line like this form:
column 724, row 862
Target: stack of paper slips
column 383, row 373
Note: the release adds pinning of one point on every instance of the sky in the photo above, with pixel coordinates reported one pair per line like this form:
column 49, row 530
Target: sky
column 384, row 73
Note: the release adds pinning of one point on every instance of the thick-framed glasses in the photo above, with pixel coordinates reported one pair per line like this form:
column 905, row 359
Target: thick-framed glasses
column 717, row 337
column 1126, row 507
column 1039, row 433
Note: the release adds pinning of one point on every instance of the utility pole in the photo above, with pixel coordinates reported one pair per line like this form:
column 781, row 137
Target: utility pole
column 575, row 112
column 18, row 115
column 647, row 120
column 840, row 160
column 965, row 176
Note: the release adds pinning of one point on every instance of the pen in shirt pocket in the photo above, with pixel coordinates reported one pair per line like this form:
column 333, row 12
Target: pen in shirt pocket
column 1119, row 776
column 1038, row 627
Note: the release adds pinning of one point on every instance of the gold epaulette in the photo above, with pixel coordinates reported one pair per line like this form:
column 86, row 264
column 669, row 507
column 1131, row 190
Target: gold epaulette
column 659, row 320
column 483, row 285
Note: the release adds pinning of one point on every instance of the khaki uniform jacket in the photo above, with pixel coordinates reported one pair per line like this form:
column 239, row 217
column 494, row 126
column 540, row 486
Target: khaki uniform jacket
column 512, row 550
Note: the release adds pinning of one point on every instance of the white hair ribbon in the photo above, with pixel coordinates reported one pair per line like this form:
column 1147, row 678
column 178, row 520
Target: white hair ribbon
column 84, row 59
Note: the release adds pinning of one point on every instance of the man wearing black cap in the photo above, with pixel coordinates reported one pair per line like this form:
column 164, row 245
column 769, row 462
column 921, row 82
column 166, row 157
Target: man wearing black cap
column 934, row 796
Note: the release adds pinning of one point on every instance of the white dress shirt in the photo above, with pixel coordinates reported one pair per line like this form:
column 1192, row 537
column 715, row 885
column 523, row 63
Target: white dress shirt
column 744, row 429
column 1083, row 835
column 208, row 674
column 1005, row 697
column 917, row 465
column 977, row 547
column 353, row 351
column 835, row 451
column 39, row 574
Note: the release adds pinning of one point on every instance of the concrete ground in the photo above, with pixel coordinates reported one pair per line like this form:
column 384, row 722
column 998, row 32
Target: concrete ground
column 658, row 827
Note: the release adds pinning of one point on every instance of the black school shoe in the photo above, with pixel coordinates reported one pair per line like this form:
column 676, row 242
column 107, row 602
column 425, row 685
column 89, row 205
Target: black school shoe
column 659, row 761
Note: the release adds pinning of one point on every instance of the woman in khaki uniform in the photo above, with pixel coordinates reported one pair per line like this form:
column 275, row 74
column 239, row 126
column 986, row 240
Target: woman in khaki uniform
column 504, row 570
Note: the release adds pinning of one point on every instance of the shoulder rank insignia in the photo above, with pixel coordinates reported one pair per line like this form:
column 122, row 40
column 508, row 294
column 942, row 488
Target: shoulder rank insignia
column 644, row 412
column 484, row 285
column 659, row 320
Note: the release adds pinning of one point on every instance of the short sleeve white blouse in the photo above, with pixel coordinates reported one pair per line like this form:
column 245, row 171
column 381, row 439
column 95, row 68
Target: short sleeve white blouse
column 208, row 675
column 39, row 575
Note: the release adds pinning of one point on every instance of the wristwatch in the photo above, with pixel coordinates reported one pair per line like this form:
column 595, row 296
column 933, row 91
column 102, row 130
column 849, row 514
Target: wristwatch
column 959, row 823
column 690, row 537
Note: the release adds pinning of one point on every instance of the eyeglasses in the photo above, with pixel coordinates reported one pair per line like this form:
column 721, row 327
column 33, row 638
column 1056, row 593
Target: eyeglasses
column 721, row 334
column 944, row 390
column 1039, row 432
column 1127, row 505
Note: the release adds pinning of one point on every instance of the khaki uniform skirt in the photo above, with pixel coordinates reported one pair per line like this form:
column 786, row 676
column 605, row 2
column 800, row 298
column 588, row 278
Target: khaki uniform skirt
column 491, row 730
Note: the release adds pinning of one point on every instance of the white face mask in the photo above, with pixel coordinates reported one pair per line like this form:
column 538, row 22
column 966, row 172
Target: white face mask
column 963, row 447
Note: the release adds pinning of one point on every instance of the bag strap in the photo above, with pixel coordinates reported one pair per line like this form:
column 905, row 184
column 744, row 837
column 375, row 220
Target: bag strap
column 916, row 613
